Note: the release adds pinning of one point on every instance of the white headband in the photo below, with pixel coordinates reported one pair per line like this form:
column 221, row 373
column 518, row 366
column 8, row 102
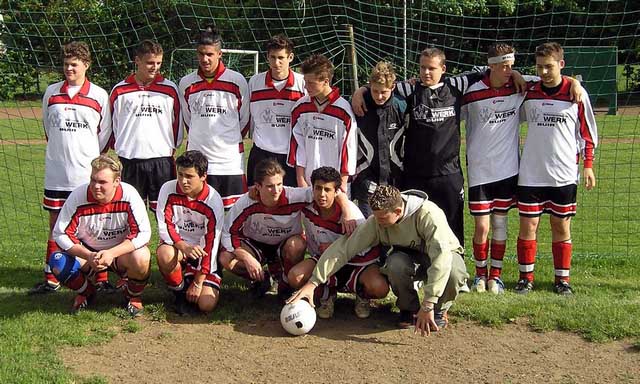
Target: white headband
column 500, row 59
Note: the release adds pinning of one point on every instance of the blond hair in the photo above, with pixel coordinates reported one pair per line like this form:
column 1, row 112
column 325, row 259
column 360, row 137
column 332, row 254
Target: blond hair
column 385, row 197
column 105, row 161
column 383, row 74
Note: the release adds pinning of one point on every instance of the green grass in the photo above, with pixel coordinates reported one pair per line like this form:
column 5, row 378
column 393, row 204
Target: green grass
column 605, row 235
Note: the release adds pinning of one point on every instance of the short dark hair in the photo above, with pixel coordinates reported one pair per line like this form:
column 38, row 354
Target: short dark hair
column 326, row 174
column 550, row 49
column 434, row 52
column 148, row 46
column 78, row 50
column 209, row 36
column 318, row 64
column 267, row 167
column 193, row 159
column 385, row 197
column 500, row 49
column 279, row 42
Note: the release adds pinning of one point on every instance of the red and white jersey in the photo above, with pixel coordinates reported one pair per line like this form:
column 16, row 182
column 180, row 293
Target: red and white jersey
column 77, row 130
column 216, row 115
column 327, row 138
column 558, row 131
column 102, row 226
column 326, row 231
column 250, row 219
column 146, row 119
column 196, row 221
column 271, row 106
column 492, row 130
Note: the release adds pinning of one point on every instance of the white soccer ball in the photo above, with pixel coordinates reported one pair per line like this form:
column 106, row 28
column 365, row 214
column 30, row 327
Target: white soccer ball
column 298, row 318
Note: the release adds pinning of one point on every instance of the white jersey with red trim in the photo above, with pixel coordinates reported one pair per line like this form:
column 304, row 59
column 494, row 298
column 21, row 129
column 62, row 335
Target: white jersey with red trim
column 83, row 220
column 250, row 219
column 328, row 138
column 196, row 221
column 558, row 132
column 326, row 231
column 271, row 110
column 492, row 118
column 216, row 115
column 77, row 130
column 146, row 119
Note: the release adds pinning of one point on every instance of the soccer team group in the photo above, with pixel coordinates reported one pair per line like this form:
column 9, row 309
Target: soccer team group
column 295, row 230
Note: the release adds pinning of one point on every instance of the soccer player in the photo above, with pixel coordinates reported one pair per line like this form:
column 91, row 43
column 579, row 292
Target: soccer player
column 424, row 249
column 432, row 138
column 215, row 105
column 273, row 94
column 103, row 225
column 322, row 223
column 190, row 218
column 324, row 130
column 268, row 231
column 146, row 124
column 76, row 118
column 559, row 134
column 380, row 137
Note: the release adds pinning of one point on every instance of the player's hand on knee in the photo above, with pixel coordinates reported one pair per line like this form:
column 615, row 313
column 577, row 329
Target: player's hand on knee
column 193, row 292
column 306, row 293
column 254, row 269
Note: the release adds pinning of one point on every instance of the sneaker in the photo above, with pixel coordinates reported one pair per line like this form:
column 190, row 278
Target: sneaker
column 479, row 284
column 81, row 302
column 495, row 286
column 134, row 307
column 362, row 307
column 258, row 289
column 464, row 288
column 326, row 307
column 523, row 287
column 563, row 288
column 441, row 319
column 407, row 319
column 105, row 287
column 44, row 287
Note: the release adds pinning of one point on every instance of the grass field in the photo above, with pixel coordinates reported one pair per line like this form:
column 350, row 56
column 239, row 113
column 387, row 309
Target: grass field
column 606, row 249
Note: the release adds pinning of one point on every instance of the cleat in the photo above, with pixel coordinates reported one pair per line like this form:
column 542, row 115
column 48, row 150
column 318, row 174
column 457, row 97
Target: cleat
column 81, row 302
column 495, row 286
column 181, row 304
column 134, row 307
column 479, row 284
column 464, row 288
column 105, row 287
column 362, row 307
column 258, row 288
column 441, row 319
column 284, row 291
column 563, row 288
column 407, row 319
column 43, row 287
column 523, row 287
column 326, row 308
column 121, row 284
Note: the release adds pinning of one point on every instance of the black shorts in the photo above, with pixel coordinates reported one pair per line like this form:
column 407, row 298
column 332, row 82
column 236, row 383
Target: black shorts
column 346, row 279
column 447, row 192
column 148, row 175
column 499, row 196
column 558, row 201
column 54, row 200
column 230, row 187
column 257, row 154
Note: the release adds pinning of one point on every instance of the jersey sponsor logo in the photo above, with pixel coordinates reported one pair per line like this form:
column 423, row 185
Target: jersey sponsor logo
column 57, row 120
column 319, row 133
column 143, row 107
column 204, row 105
column 433, row 115
column 275, row 120
column 393, row 126
column 545, row 119
column 490, row 116
column 191, row 226
column 104, row 234
column 268, row 231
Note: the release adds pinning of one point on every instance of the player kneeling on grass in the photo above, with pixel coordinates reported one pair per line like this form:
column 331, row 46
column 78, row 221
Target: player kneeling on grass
column 322, row 223
column 267, row 231
column 424, row 249
column 190, row 218
column 103, row 225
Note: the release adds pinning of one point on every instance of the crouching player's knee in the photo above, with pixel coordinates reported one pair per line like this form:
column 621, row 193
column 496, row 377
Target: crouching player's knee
column 208, row 300
column 374, row 284
column 63, row 266
column 139, row 263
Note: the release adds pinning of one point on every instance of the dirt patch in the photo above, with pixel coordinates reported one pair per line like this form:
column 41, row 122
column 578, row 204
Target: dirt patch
column 348, row 350
column 21, row 113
